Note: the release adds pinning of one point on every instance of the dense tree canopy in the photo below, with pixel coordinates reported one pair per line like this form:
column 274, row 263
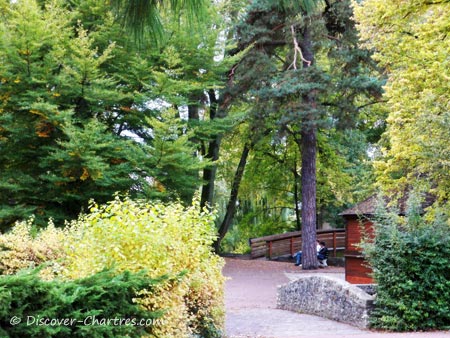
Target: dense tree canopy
column 306, row 79
column 77, row 118
column 271, row 108
column 411, row 41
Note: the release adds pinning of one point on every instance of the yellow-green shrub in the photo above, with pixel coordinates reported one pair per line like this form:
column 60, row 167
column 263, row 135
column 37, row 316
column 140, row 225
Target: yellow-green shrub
column 162, row 239
column 21, row 249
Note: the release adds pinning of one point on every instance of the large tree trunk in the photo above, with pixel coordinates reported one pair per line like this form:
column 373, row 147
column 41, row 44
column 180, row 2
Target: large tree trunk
column 209, row 173
column 308, row 144
column 212, row 153
column 308, row 171
column 231, row 206
column 193, row 118
column 193, row 112
column 218, row 110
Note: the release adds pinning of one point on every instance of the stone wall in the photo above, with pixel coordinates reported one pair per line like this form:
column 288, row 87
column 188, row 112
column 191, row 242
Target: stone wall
column 327, row 297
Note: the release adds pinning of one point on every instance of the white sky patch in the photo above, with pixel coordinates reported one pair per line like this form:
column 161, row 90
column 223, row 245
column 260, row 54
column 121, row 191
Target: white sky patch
column 157, row 104
column 220, row 46
column 184, row 112
column 132, row 136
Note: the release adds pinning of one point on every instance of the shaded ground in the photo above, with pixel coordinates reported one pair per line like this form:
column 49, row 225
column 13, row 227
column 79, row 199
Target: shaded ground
column 250, row 301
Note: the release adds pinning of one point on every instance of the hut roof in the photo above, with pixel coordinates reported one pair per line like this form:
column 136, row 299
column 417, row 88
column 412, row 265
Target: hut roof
column 366, row 207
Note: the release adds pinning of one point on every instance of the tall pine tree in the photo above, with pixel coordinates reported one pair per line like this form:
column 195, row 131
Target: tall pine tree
column 304, row 63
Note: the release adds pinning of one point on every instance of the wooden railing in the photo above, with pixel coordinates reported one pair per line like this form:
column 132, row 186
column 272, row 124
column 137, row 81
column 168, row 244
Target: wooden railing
column 290, row 242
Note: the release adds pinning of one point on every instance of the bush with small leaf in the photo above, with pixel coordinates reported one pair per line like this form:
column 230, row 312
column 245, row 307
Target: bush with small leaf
column 410, row 257
column 163, row 239
column 25, row 247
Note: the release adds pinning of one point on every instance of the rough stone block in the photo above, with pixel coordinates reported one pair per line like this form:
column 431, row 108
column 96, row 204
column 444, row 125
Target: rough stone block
column 327, row 297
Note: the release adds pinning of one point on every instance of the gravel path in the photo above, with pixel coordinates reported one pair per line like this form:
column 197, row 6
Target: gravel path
column 250, row 302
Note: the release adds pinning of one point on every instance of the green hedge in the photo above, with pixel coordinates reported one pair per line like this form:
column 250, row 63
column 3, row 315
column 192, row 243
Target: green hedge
column 32, row 307
column 410, row 257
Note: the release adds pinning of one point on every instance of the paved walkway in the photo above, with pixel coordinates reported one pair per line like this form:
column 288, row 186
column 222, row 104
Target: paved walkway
column 250, row 301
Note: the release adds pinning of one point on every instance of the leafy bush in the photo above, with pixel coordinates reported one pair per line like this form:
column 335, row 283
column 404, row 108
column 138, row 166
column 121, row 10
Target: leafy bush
column 236, row 239
column 133, row 235
column 410, row 257
column 163, row 239
column 21, row 249
column 82, row 306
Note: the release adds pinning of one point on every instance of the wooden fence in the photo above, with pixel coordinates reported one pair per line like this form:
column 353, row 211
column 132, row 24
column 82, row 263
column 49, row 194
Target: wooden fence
column 290, row 242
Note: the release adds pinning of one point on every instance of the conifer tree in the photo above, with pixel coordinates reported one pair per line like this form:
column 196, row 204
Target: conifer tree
column 303, row 62
column 73, row 90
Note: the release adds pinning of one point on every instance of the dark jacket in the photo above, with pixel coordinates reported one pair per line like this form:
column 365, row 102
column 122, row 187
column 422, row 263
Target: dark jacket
column 323, row 253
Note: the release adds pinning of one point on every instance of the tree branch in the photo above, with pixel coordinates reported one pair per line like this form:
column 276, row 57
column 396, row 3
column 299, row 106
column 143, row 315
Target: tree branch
column 297, row 51
column 371, row 103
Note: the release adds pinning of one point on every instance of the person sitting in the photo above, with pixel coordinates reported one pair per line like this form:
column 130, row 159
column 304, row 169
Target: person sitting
column 298, row 258
column 298, row 255
column 322, row 255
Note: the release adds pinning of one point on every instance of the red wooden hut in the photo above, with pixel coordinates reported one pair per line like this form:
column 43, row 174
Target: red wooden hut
column 358, row 225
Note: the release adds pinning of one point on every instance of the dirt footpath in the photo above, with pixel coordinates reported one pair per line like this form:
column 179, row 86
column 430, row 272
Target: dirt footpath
column 250, row 301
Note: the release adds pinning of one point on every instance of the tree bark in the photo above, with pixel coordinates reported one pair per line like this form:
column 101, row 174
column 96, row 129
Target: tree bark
column 218, row 109
column 209, row 174
column 193, row 112
column 297, row 199
column 231, row 206
column 193, row 118
column 308, row 172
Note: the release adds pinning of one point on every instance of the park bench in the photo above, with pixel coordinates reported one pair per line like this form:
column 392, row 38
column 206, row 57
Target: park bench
column 289, row 243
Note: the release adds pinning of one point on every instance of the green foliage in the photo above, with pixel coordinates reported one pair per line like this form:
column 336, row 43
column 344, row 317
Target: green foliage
column 126, row 235
column 266, row 199
column 255, row 224
column 144, row 17
column 86, row 304
column 173, row 163
column 410, row 258
column 77, row 106
column 163, row 239
column 53, row 86
column 275, row 85
column 410, row 41
column 343, row 77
